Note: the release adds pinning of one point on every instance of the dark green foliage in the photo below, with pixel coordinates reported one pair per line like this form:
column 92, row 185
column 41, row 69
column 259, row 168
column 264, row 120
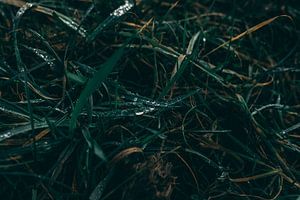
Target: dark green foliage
column 149, row 99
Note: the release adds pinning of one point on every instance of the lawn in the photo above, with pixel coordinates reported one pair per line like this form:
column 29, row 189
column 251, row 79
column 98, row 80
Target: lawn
column 149, row 99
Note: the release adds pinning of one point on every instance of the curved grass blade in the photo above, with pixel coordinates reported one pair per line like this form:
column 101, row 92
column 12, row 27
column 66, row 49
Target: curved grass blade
column 93, row 84
column 66, row 20
column 21, row 66
column 36, row 89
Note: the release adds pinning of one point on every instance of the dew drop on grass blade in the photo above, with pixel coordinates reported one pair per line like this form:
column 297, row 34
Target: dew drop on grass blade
column 21, row 129
column 43, row 55
column 70, row 23
column 114, row 16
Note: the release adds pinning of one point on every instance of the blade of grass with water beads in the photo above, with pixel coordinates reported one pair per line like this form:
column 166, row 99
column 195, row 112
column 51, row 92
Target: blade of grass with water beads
column 110, row 20
column 21, row 129
column 21, row 66
column 93, row 84
column 13, row 108
column 50, row 60
column 70, row 23
column 129, row 112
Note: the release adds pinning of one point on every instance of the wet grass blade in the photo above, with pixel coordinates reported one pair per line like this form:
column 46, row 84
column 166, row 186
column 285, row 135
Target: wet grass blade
column 43, row 55
column 201, row 64
column 70, row 23
column 110, row 20
column 182, row 63
column 93, row 84
column 21, row 66
column 21, row 129
column 38, row 36
column 129, row 112
column 14, row 109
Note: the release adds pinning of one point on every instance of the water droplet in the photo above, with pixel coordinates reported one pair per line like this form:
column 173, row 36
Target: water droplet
column 139, row 113
column 23, row 9
column 42, row 54
column 122, row 9
column 5, row 135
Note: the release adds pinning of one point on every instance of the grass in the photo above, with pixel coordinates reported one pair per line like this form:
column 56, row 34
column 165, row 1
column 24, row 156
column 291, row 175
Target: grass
column 149, row 99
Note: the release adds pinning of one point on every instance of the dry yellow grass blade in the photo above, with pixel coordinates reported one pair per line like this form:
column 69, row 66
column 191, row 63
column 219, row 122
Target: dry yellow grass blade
column 39, row 136
column 16, row 3
column 19, row 3
column 248, row 31
column 250, row 178
column 124, row 153
column 145, row 25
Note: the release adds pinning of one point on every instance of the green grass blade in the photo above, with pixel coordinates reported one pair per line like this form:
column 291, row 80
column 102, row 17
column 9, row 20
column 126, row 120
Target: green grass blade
column 81, row 80
column 93, row 144
column 114, row 17
column 12, row 108
column 93, row 84
column 182, row 63
column 70, row 23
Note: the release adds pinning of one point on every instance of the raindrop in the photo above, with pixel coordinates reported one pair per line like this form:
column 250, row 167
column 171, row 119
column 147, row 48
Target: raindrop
column 122, row 9
column 43, row 55
column 5, row 135
column 139, row 113
column 23, row 9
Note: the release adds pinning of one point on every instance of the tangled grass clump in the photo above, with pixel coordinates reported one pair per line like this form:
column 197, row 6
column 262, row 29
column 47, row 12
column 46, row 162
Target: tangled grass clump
column 149, row 99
